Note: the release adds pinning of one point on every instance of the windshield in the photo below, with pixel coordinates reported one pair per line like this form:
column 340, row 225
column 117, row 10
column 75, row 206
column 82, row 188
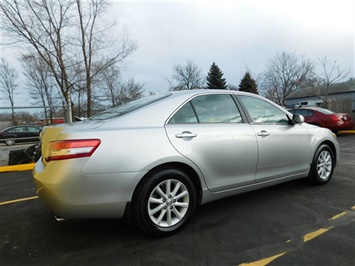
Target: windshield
column 129, row 107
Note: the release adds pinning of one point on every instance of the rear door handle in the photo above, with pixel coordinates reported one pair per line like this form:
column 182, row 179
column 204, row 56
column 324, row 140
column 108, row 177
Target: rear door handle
column 186, row 134
column 263, row 133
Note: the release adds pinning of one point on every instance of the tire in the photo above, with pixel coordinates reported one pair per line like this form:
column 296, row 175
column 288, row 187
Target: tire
column 10, row 142
column 322, row 166
column 164, row 203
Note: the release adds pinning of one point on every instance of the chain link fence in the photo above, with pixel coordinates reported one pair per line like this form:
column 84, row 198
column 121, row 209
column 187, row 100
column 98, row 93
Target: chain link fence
column 23, row 146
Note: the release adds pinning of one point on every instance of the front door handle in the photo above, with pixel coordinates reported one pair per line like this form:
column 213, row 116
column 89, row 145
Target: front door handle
column 186, row 134
column 263, row 133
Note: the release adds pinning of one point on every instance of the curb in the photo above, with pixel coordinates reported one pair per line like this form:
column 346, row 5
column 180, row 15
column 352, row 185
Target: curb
column 19, row 167
column 347, row 132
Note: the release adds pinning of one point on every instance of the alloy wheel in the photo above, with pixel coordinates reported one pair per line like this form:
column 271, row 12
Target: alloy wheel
column 168, row 203
column 324, row 165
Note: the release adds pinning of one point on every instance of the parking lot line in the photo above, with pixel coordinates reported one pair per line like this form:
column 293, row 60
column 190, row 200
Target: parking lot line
column 307, row 237
column 263, row 261
column 18, row 200
column 337, row 216
column 314, row 234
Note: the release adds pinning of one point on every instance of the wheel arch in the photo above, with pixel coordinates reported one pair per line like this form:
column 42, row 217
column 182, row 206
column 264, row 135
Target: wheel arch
column 175, row 165
column 332, row 147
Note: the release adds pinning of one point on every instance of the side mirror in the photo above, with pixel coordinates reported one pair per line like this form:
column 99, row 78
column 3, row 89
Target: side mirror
column 297, row 119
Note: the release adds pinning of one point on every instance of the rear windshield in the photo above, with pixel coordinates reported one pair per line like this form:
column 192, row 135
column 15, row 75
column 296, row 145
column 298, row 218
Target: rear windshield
column 129, row 107
column 325, row 111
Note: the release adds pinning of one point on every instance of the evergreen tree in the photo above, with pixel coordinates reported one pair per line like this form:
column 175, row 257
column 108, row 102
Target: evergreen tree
column 248, row 84
column 215, row 78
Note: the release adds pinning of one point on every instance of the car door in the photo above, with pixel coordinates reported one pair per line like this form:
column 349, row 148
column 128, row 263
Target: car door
column 210, row 131
column 284, row 148
column 33, row 132
column 18, row 132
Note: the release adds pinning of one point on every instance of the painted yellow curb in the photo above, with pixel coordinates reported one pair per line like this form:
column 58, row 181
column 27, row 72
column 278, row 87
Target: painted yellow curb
column 19, row 167
column 347, row 132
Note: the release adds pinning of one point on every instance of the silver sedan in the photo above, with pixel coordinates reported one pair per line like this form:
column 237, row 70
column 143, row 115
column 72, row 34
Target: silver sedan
column 157, row 158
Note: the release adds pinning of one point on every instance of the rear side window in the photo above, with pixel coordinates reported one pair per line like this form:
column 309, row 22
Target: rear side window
column 185, row 115
column 325, row 111
column 216, row 108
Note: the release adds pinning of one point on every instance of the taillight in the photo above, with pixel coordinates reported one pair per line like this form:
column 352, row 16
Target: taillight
column 334, row 117
column 69, row 149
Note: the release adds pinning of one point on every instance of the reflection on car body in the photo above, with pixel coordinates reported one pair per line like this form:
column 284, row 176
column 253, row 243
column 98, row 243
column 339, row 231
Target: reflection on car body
column 157, row 158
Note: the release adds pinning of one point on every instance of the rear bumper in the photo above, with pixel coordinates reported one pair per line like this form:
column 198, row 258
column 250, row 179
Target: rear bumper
column 341, row 126
column 71, row 195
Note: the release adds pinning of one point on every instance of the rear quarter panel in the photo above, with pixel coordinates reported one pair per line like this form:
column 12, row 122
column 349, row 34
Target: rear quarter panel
column 128, row 150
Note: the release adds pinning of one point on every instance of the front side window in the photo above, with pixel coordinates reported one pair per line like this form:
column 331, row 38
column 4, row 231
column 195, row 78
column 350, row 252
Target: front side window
column 216, row 108
column 262, row 112
column 18, row 129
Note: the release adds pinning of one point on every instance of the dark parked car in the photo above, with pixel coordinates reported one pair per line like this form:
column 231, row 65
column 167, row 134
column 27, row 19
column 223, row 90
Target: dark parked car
column 14, row 134
column 325, row 118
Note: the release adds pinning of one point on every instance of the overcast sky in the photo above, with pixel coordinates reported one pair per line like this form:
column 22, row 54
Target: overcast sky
column 236, row 35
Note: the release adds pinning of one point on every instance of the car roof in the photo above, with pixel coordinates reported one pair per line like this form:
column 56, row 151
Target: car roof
column 193, row 92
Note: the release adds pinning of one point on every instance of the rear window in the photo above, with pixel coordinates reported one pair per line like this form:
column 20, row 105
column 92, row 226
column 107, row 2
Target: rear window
column 129, row 107
column 325, row 111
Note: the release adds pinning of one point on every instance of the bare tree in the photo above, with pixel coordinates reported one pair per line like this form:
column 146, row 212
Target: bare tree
column 330, row 73
column 129, row 91
column 116, row 91
column 187, row 77
column 285, row 73
column 8, row 77
column 110, row 79
column 79, row 93
column 51, row 29
column 41, row 25
column 94, row 41
column 40, row 83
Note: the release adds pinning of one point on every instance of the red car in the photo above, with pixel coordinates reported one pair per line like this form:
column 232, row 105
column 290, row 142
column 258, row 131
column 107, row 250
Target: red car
column 325, row 118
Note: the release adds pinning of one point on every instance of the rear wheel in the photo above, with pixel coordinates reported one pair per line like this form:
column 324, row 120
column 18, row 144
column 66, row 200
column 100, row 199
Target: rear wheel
column 164, row 203
column 322, row 166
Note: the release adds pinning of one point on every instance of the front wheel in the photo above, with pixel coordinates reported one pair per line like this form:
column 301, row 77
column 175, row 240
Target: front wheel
column 164, row 203
column 322, row 165
column 10, row 142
